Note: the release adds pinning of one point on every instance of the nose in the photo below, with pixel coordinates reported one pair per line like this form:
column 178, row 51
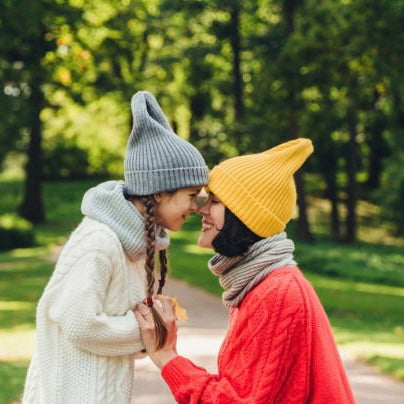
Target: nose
column 204, row 209
column 194, row 206
column 200, row 201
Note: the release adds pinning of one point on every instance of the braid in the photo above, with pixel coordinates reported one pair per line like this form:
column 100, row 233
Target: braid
column 163, row 270
column 148, row 203
column 150, row 225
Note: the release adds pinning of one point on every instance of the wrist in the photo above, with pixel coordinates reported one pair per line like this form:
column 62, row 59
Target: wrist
column 161, row 358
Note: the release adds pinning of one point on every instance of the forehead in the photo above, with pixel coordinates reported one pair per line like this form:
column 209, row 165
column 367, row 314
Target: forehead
column 182, row 192
column 188, row 190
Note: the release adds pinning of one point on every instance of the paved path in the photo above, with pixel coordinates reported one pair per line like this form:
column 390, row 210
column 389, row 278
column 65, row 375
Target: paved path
column 200, row 337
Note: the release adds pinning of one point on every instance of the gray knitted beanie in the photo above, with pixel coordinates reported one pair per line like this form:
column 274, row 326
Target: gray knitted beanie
column 157, row 159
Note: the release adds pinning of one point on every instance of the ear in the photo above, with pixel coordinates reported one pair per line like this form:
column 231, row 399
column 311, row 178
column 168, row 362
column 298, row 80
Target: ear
column 158, row 197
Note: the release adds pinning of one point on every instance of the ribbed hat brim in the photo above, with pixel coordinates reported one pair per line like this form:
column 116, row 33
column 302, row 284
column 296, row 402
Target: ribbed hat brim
column 151, row 182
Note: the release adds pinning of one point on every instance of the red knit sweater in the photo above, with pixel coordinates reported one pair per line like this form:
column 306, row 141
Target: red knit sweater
column 279, row 348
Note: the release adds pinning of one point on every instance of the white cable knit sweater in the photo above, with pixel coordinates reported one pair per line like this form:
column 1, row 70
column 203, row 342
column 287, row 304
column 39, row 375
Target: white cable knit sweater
column 87, row 334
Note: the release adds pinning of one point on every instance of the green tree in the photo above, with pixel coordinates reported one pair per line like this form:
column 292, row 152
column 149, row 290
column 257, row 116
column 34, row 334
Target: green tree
column 278, row 84
column 29, row 30
column 343, row 82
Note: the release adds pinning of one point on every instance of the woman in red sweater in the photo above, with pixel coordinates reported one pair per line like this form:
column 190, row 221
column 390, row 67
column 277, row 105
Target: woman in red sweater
column 279, row 346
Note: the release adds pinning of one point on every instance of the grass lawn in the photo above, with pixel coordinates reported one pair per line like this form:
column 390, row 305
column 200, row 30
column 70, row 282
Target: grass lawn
column 361, row 286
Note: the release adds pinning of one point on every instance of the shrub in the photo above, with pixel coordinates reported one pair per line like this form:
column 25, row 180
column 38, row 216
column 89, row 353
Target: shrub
column 15, row 232
column 65, row 161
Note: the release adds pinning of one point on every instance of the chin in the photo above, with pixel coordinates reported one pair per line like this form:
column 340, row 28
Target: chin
column 205, row 243
column 174, row 228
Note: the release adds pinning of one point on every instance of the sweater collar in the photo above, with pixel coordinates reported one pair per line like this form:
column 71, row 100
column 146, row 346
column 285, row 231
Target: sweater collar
column 106, row 203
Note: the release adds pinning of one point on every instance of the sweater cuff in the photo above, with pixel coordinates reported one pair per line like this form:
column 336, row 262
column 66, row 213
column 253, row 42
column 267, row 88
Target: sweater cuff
column 177, row 372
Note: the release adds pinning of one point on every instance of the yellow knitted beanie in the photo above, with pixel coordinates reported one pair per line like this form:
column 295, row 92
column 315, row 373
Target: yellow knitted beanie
column 259, row 188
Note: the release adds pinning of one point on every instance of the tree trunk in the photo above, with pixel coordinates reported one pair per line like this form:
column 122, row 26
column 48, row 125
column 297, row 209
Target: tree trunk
column 332, row 194
column 351, row 202
column 236, row 47
column 328, row 167
column 32, row 207
column 303, row 226
column 377, row 153
column 197, row 107
column 235, row 42
column 193, row 133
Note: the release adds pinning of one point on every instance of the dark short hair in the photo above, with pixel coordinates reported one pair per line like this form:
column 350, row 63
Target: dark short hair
column 235, row 237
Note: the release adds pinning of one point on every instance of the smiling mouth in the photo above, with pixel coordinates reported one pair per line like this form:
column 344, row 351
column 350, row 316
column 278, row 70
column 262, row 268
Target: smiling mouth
column 207, row 226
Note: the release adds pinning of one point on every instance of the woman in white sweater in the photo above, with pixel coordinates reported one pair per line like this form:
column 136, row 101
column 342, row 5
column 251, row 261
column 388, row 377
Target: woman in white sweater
column 87, row 334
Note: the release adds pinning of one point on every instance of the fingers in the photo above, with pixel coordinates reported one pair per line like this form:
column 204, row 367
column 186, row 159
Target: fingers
column 143, row 310
column 141, row 318
column 167, row 307
column 144, row 319
column 146, row 314
column 164, row 307
column 162, row 304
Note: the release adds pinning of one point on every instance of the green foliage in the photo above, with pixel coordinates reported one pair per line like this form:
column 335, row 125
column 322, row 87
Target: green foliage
column 65, row 161
column 86, row 141
column 68, row 161
column 330, row 71
column 15, row 232
column 10, row 192
column 63, row 201
column 29, row 31
column 391, row 194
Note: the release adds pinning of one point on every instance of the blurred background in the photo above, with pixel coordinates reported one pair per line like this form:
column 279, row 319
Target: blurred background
column 233, row 77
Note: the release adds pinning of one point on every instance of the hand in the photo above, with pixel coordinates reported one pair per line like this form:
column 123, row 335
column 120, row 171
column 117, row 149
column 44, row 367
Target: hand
column 145, row 319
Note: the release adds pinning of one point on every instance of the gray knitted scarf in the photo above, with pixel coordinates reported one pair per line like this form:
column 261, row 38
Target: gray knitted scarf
column 238, row 275
column 106, row 203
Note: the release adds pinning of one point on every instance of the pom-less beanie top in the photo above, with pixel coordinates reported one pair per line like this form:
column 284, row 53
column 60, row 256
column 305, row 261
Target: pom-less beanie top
column 157, row 159
column 259, row 188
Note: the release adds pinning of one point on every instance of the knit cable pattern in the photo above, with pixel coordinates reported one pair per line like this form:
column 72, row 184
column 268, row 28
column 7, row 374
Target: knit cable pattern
column 87, row 334
column 278, row 349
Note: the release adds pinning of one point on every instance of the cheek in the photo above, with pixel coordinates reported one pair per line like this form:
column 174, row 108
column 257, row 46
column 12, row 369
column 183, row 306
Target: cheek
column 185, row 207
column 217, row 214
column 220, row 222
column 179, row 210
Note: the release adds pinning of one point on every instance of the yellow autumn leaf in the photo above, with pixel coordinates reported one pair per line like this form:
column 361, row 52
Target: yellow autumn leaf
column 180, row 312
